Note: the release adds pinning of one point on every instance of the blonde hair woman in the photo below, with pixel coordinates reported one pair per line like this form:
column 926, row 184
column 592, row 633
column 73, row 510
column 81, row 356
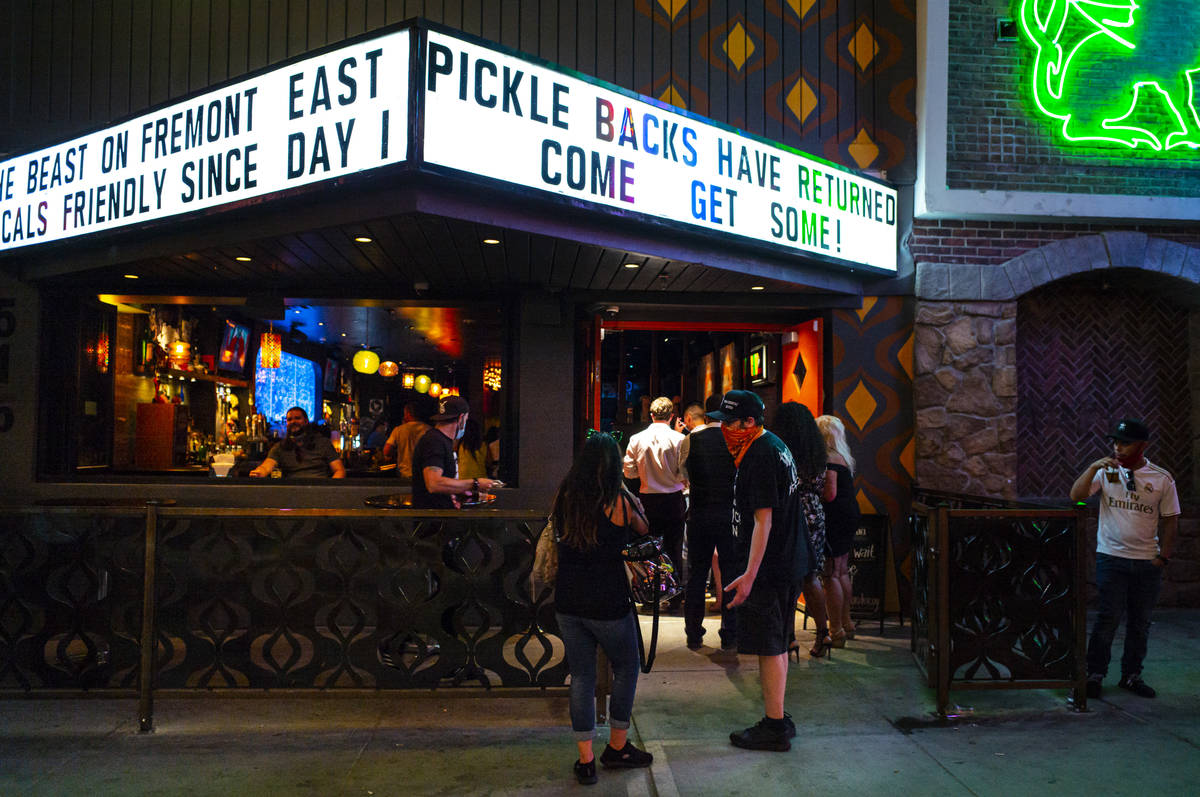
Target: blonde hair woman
column 841, row 521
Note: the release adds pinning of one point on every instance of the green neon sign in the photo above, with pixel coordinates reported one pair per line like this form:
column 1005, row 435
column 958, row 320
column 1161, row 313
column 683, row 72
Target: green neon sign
column 1117, row 71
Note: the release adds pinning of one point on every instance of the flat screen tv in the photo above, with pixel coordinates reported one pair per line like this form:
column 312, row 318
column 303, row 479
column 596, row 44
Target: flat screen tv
column 757, row 365
column 231, row 357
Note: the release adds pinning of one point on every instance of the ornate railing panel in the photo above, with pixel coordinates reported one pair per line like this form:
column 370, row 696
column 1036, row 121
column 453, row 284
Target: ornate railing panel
column 923, row 591
column 1004, row 605
column 70, row 599
column 268, row 598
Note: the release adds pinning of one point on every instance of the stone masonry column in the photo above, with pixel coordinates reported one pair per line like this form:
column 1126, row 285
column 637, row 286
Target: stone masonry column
column 966, row 397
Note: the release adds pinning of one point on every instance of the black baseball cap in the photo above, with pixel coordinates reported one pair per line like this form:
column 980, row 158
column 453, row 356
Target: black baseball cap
column 451, row 408
column 738, row 404
column 1129, row 430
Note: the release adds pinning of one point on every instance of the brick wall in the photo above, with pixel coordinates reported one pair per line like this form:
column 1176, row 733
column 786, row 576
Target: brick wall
column 998, row 140
column 991, row 243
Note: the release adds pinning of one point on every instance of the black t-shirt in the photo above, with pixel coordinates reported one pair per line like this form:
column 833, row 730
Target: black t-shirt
column 433, row 450
column 710, row 473
column 304, row 457
column 592, row 583
column 765, row 478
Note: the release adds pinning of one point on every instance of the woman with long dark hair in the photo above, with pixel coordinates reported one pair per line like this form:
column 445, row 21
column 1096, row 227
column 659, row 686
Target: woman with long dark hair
column 472, row 453
column 794, row 424
column 593, row 516
column 841, row 522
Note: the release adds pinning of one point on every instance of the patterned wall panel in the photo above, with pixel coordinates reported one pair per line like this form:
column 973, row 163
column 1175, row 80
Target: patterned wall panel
column 1086, row 357
column 831, row 77
column 871, row 373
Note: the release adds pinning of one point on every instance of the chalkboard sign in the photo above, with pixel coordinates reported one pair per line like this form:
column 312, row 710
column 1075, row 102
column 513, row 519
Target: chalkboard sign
column 868, row 558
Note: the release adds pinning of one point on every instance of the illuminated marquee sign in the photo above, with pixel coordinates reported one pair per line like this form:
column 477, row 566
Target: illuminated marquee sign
column 312, row 120
column 1112, row 71
column 497, row 115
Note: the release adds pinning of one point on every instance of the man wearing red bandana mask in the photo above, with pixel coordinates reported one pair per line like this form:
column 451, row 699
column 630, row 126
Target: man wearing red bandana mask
column 1139, row 517
column 763, row 593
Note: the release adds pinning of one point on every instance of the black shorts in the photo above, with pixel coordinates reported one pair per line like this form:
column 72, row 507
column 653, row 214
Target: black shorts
column 764, row 619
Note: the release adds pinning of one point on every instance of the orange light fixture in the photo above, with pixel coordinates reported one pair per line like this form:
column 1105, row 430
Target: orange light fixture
column 409, row 379
column 491, row 374
column 270, row 349
column 435, row 389
column 388, row 369
column 181, row 355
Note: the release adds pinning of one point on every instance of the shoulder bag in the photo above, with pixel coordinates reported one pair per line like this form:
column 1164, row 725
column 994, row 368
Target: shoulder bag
column 651, row 583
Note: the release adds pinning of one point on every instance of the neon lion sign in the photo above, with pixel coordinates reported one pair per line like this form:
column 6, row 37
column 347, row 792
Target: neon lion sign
column 1117, row 71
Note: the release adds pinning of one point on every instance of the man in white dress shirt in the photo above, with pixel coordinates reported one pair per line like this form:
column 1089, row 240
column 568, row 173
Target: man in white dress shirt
column 653, row 458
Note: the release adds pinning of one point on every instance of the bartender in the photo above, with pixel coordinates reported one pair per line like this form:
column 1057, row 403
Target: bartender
column 436, row 460
column 303, row 454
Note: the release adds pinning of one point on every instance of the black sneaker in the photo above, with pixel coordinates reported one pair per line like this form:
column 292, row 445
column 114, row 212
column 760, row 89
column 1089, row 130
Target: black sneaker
column 586, row 773
column 791, row 726
column 1135, row 684
column 761, row 737
column 1093, row 685
column 628, row 757
column 694, row 643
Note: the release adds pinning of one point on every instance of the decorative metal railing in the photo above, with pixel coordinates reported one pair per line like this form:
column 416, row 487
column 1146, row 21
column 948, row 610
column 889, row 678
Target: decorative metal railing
column 999, row 599
column 96, row 598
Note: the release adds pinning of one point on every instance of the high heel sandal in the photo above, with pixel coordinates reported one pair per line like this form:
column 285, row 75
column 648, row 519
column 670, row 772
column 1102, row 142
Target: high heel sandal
column 849, row 632
column 821, row 645
column 838, row 640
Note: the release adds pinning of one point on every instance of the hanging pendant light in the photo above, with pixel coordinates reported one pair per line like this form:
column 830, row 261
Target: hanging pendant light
column 388, row 369
column 270, row 349
column 421, row 383
column 435, row 389
column 410, row 379
column 366, row 361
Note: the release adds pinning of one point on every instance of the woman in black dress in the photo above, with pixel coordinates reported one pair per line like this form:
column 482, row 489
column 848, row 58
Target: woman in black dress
column 841, row 521
column 594, row 515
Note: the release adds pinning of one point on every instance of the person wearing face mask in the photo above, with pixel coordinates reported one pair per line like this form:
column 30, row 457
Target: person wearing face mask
column 435, row 460
column 1139, row 518
column 303, row 453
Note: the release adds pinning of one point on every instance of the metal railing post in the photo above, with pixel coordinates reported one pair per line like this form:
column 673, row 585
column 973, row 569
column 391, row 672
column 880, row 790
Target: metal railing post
column 149, row 627
column 942, row 571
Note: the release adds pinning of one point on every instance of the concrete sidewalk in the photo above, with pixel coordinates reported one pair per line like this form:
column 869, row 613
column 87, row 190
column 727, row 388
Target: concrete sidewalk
column 864, row 717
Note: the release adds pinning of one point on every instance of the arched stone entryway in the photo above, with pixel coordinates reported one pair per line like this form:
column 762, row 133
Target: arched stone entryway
column 966, row 382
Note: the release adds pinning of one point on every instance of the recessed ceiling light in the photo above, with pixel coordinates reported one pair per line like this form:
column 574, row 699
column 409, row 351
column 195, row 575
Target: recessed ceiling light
column 242, row 259
column 633, row 265
column 491, row 241
column 297, row 312
column 758, row 287
column 320, row 323
column 362, row 239
column 343, row 334
column 131, row 276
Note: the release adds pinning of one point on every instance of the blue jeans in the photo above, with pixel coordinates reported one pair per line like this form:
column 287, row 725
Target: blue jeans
column 618, row 638
column 1125, row 585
